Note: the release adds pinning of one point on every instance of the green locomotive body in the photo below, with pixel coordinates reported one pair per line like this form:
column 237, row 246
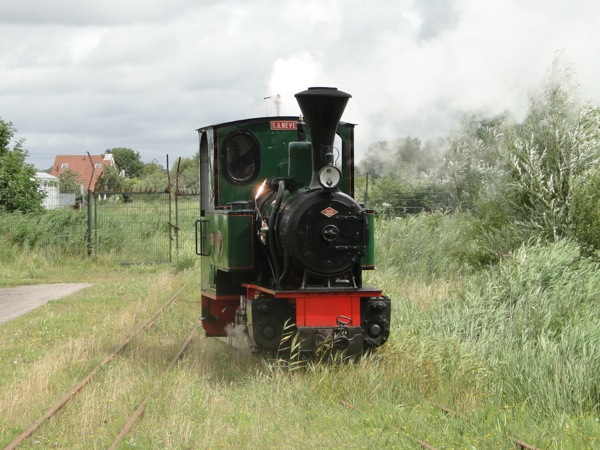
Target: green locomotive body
column 264, row 217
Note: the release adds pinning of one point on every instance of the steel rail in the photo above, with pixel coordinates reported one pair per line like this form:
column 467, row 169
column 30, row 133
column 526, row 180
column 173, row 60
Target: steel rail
column 522, row 445
column 518, row 443
column 75, row 390
column 140, row 409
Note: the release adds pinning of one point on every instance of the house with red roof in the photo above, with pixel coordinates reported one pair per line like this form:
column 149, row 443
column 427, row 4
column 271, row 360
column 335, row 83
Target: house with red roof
column 89, row 167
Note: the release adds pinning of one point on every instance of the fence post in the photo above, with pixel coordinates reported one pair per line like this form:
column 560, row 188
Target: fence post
column 170, row 213
column 177, row 207
column 88, row 235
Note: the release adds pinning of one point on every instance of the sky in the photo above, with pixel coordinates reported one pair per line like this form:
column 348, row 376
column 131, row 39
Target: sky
column 81, row 76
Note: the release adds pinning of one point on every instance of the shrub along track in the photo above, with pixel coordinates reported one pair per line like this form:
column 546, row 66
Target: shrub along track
column 56, row 407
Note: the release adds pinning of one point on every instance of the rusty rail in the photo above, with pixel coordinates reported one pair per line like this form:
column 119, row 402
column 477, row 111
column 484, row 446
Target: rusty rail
column 424, row 444
column 522, row 445
column 74, row 391
column 140, row 409
column 451, row 413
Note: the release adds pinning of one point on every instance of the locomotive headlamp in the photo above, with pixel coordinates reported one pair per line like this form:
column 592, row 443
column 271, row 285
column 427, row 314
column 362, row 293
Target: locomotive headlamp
column 330, row 177
column 261, row 189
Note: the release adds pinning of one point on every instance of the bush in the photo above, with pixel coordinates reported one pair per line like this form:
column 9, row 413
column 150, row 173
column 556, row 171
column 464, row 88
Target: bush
column 19, row 189
column 548, row 189
column 585, row 212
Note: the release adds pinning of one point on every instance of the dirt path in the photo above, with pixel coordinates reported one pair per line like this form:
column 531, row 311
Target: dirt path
column 19, row 300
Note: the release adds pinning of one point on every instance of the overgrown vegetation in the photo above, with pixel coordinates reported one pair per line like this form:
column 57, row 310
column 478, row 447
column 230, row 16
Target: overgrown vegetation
column 534, row 320
column 512, row 348
column 61, row 232
column 521, row 181
column 495, row 315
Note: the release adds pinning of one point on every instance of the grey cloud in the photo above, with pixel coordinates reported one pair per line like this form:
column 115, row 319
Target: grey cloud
column 106, row 12
column 79, row 75
column 436, row 16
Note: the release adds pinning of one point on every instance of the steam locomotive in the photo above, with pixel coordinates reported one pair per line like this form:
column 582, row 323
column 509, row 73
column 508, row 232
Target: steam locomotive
column 282, row 240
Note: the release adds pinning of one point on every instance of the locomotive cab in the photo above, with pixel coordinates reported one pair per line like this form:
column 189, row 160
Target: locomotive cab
column 282, row 240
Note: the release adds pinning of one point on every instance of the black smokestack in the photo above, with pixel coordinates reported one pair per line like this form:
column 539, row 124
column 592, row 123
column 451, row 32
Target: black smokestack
column 322, row 108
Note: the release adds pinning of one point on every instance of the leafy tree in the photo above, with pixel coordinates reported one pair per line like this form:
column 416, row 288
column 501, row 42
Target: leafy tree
column 543, row 183
column 153, row 178
column 70, row 182
column 128, row 161
column 186, row 171
column 374, row 164
column 19, row 189
column 404, row 158
column 586, row 213
column 552, row 150
column 473, row 158
column 112, row 180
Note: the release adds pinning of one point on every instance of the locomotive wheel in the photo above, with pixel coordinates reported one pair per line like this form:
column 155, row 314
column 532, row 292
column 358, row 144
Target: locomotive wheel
column 268, row 321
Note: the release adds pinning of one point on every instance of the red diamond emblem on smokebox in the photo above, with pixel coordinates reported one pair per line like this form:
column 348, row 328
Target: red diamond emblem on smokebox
column 329, row 212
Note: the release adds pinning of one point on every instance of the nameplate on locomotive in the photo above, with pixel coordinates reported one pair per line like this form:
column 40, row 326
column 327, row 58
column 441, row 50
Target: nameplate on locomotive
column 283, row 125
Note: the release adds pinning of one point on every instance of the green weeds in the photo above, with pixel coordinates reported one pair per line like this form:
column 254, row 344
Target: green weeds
column 513, row 349
column 534, row 318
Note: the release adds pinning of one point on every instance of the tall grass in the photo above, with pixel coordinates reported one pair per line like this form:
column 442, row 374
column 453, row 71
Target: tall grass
column 531, row 321
column 138, row 232
column 60, row 231
column 534, row 318
column 513, row 348
column 428, row 246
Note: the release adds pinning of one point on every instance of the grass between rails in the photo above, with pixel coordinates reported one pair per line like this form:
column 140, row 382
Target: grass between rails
column 45, row 352
column 451, row 345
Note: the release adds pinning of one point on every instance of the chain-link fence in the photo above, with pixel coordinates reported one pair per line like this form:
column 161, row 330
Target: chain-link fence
column 416, row 202
column 147, row 227
column 142, row 227
column 127, row 227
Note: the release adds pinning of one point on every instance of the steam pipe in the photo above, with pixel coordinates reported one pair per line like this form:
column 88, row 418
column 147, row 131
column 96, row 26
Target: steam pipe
column 271, row 236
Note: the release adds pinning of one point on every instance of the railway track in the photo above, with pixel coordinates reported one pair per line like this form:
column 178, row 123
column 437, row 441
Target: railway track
column 518, row 444
column 140, row 409
column 72, row 393
column 130, row 422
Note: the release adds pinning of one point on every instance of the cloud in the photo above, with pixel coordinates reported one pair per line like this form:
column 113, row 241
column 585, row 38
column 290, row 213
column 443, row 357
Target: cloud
column 481, row 57
column 436, row 16
column 86, row 76
column 84, row 13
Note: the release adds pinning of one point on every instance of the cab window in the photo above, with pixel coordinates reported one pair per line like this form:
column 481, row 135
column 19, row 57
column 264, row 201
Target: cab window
column 241, row 157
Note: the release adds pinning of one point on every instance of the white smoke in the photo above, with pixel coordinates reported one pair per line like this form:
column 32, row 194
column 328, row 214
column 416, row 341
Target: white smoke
column 291, row 75
column 239, row 333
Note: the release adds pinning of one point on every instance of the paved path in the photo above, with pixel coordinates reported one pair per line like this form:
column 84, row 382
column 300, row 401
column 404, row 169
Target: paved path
column 19, row 300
